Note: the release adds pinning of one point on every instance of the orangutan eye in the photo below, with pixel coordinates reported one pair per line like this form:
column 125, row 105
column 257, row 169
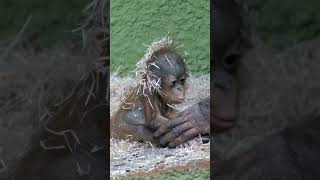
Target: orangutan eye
column 231, row 61
column 173, row 83
column 182, row 81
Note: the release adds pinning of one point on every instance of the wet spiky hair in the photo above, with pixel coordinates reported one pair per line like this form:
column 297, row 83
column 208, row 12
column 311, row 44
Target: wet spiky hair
column 146, row 80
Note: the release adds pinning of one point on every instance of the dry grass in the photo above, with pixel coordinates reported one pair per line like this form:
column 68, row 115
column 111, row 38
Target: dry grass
column 132, row 157
column 128, row 156
column 95, row 25
column 34, row 85
column 30, row 86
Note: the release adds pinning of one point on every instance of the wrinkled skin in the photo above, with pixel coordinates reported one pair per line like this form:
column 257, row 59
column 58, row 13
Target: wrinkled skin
column 227, row 49
column 228, row 46
column 292, row 153
column 225, row 100
column 190, row 123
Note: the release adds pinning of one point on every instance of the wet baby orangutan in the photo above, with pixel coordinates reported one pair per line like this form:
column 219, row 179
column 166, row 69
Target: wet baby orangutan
column 161, row 78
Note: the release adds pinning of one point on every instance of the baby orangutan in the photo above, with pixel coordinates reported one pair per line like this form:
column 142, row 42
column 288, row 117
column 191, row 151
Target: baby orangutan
column 149, row 105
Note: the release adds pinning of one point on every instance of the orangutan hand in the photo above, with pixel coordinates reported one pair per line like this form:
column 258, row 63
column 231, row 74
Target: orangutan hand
column 189, row 124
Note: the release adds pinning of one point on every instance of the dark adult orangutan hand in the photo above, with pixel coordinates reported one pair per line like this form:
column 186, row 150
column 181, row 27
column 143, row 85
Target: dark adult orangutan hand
column 189, row 124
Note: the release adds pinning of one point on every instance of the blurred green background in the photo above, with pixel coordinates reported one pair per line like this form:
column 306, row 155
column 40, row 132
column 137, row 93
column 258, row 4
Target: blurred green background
column 137, row 22
column 284, row 23
column 51, row 23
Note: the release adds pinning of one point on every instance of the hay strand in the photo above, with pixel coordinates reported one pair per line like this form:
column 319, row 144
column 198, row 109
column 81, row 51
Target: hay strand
column 16, row 39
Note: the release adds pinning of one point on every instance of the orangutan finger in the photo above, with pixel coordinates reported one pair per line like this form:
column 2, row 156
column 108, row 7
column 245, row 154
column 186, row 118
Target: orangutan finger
column 175, row 132
column 189, row 134
column 222, row 124
column 164, row 129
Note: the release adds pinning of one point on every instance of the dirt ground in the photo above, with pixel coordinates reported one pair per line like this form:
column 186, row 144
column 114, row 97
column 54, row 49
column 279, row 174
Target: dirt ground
column 133, row 159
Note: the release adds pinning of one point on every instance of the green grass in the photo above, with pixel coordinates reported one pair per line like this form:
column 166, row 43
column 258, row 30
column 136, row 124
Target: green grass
column 51, row 24
column 138, row 22
column 194, row 175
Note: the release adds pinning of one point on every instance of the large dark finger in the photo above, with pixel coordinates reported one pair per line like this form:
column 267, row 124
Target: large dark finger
column 175, row 132
column 221, row 125
column 164, row 129
column 191, row 133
